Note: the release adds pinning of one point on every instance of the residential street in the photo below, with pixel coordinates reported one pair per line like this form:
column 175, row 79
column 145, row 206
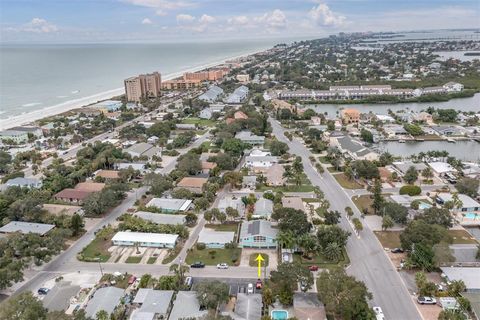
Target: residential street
column 67, row 261
column 369, row 263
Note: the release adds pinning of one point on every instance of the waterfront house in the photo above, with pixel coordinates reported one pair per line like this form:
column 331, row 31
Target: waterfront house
column 258, row 234
column 353, row 149
column 453, row 86
column 14, row 135
column 350, row 116
column 402, row 167
column 215, row 239
column 442, row 168
column 394, row 130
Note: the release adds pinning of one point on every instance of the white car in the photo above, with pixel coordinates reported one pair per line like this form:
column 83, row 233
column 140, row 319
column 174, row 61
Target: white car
column 426, row 300
column 250, row 288
column 378, row 313
column 222, row 266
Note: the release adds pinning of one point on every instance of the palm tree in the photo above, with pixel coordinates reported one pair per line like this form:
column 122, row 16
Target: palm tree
column 286, row 239
column 179, row 270
column 309, row 244
column 333, row 251
column 288, row 173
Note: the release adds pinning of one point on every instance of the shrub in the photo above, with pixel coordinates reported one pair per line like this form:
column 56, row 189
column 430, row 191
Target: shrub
column 411, row 190
column 201, row 246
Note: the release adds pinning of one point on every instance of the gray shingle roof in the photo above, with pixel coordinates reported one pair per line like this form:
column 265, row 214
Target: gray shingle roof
column 104, row 299
column 258, row 227
column 26, row 227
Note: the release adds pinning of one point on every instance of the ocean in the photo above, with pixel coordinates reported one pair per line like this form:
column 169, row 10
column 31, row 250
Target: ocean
column 36, row 77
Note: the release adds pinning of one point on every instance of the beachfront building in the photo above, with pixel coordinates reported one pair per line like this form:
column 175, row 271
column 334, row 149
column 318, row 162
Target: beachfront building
column 208, row 75
column 180, row 84
column 143, row 86
column 468, row 205
column 14, row 135
column 144, row 239
column 353, row 149
column 107, row 106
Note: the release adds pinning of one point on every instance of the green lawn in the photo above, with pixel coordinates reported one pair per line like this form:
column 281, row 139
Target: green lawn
column 320, row 261
column 200, row 122
column 310, row 200
column 346, row 183
column 461, row 237
column 133, row 260
column 254, row 256
column 363, row 202
column 323, row 160
column 229, row 256
column 172, row 253
column 98, row 248
column 332, row 169
column 389, row 239
column 151, row 260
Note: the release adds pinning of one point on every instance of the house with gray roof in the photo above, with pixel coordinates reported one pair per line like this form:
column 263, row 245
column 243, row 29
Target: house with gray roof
column 152, row 304
column 402, row 167
column 107, row 299
column 24, row 183
column 306, row 306
column 354, row 149
column 258, row 234
column 58, row 298
column 232, row 202
column 238, row 95
column 263, row 209
column 250, row 138
column 161, row 218
column 144, row 149
column 212, row 94
column 26, row 227
column 215, row 239
column 249, row 182
column 170, row 205
column 248, row 306
column 186, row 305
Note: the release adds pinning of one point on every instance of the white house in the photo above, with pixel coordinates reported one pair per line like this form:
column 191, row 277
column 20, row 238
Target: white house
column 144, row 239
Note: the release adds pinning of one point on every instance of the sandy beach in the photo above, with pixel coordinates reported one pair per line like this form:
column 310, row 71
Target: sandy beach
column 30, row 117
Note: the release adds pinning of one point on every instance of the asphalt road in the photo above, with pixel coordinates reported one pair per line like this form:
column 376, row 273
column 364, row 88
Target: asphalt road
column 369, row 263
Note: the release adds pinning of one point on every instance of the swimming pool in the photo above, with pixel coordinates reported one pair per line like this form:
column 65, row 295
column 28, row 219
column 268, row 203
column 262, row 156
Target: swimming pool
column 472, row 216
column 279, row 315
column 423, row 206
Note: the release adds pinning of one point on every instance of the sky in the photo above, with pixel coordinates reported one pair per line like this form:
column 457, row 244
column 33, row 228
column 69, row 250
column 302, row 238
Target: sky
column 78, row 21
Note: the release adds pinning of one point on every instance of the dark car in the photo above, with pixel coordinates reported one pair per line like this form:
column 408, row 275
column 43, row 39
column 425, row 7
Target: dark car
column 397, row 250
column 198, row 264
column 43, row 291
column 313, row 268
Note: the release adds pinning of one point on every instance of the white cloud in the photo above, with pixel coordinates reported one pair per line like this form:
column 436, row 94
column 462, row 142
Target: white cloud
column 185, row 18
column 207, row 19
column 274, row 20
column 322, row 15
column 161, row 6
column 238, row 20
column 39, row 25
column 146, row 21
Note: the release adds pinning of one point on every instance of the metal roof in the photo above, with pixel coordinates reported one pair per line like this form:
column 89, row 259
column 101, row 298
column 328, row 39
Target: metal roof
column 186, row 306
column 258, row 227
column 170, row 204
column 154, row 301
column 212, row 236
column 161, row 218
column 144, row 237
column 26, row 227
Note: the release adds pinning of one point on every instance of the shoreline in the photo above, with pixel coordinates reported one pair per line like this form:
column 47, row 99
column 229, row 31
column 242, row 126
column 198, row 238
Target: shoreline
column 30, row 117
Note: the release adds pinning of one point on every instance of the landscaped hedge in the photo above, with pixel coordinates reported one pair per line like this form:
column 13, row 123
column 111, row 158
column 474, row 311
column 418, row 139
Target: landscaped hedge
column 411, row 190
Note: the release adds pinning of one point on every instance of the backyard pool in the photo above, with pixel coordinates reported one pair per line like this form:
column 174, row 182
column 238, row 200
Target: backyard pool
column 423, row 206
column 472, row 216
column 279, row 315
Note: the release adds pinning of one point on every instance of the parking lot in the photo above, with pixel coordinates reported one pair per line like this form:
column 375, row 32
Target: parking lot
column 236, row 285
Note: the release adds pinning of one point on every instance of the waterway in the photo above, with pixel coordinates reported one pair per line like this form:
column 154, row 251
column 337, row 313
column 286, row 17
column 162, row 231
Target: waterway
column 460, row 104
column 463, row 150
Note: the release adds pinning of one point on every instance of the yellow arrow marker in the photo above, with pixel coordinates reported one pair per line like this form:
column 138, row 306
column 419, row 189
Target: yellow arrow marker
column 259, row 259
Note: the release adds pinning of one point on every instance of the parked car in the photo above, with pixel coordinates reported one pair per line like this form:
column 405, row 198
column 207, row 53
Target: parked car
column 198, row 264
column 222, row 266
column 397, row 250
column 250, row 288
column 43, row 291
column 188, row 282
column 303, row 286
column 378, row 313
column 259, row 284
column 313, row 268
column 426, row 300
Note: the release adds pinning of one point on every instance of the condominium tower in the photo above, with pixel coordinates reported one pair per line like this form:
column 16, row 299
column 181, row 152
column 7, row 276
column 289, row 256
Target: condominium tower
column 143, row 86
